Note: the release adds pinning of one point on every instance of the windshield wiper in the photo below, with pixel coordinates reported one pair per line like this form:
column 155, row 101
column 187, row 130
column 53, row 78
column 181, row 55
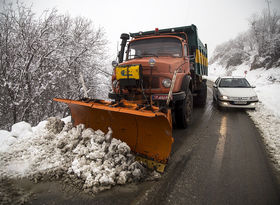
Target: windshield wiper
column 166, row 54
column 240, row 86
column 150, row 54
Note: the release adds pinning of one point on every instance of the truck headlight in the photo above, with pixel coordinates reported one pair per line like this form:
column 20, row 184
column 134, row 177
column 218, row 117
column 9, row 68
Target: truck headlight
column 166, row 83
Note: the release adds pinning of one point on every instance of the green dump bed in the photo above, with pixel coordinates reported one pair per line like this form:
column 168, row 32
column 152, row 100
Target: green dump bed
column 198, row 52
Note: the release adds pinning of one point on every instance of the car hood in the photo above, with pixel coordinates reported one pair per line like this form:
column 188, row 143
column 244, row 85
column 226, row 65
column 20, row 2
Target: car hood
column 237, row 92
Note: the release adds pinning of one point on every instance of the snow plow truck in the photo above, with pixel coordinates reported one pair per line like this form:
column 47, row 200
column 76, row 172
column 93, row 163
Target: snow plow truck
column 156, row 81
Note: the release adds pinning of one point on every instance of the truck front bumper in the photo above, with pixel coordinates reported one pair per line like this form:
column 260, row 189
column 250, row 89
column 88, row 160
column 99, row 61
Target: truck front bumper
column 155, row 97
column 175, row 96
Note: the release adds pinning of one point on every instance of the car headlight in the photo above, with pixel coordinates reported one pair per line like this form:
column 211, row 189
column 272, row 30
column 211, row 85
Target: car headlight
column 224, row 97
column 254, row 98
column 166, row 83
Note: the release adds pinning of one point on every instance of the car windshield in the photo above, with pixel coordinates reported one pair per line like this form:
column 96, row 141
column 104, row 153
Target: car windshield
column 155, row 47
column 234, row 83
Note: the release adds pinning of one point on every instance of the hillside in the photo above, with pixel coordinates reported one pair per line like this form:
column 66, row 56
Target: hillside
column 258, row 47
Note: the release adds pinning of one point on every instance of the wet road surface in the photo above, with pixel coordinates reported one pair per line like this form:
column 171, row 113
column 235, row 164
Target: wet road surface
column 219, row 159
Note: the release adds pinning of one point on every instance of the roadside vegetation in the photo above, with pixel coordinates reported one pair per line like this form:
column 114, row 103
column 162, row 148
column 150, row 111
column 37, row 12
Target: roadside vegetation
column 45, row 56
column 259, row 46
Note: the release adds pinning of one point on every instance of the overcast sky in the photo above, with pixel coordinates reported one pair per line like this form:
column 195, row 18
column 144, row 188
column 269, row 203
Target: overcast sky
column 217, row 20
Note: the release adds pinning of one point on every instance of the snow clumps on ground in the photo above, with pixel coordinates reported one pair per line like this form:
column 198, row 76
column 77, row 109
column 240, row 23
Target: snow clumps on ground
column 92, row 160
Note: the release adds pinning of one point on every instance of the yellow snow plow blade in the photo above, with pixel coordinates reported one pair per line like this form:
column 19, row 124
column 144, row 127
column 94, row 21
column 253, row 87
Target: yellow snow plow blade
column 148, row 133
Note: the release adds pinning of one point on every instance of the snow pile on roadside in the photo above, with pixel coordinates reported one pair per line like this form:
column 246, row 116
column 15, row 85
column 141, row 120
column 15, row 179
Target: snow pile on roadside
column 6, row 139
column 54, row 149
column 269, row 125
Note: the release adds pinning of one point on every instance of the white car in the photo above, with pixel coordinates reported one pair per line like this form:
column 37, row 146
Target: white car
column 234, row 92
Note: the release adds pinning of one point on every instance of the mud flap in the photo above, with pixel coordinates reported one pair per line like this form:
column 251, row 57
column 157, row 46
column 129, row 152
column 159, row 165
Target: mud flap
column 148, row 133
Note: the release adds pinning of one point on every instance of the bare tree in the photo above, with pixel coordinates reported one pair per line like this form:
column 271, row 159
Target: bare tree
column 42, row 58
column 265, row 31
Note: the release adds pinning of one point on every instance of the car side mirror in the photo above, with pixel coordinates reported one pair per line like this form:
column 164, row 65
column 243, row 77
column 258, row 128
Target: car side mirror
column 215, row 86
column 253, row 86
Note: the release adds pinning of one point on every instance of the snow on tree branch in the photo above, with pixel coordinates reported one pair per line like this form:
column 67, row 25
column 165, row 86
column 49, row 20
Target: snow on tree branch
column 42, row 58
column 259, row 46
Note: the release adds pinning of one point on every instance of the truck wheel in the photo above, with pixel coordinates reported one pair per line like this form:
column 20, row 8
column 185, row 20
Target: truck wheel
column 200, row 99
column 184, row 110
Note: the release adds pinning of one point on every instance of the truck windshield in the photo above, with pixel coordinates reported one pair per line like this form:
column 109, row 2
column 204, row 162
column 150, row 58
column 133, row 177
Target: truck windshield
column 155, row 47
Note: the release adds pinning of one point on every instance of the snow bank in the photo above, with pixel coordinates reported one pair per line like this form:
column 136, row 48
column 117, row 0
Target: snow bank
column 21, row 129
column 6, row 139
column 55, row 149
column 268, row 125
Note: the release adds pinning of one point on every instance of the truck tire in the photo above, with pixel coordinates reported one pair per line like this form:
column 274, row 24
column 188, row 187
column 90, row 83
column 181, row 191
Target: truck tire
column 200, row 99
column 184, row 111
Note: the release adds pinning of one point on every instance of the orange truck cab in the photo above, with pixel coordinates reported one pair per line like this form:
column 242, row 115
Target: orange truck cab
column 165, row 68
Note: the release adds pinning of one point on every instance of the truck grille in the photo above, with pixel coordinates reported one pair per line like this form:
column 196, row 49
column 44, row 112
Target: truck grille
column 146, row 82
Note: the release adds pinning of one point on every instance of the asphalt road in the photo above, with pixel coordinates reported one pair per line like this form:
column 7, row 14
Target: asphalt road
column 219, row 159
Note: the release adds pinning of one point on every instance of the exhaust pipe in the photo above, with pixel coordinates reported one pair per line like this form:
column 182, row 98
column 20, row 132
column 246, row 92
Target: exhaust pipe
column 124, row 38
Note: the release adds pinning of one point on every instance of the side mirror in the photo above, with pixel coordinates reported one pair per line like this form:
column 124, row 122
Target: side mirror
column 215, row 86
column 253, row 86
column 114, row 64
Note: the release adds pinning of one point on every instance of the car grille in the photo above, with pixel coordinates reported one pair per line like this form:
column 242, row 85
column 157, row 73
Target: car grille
column 240, row 98
column 234, row 103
